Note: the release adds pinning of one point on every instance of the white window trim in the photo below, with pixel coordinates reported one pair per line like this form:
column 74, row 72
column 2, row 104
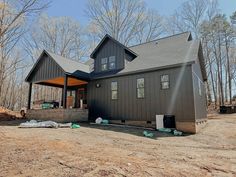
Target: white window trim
column 102, row 64
column 165, row 81
column 114, row 90
column 137, row 88
column 109, row 62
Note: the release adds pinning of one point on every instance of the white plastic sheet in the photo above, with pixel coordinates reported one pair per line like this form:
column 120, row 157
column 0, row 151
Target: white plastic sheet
column 43, row 124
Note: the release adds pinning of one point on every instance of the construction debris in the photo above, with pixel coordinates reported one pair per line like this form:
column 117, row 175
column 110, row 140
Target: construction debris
column 147, row 134
column 45, row 124
column 98, row 120
column 73, row 126
column 104, row 121
column 168, row 130
column 177, row 133
column 165, row 130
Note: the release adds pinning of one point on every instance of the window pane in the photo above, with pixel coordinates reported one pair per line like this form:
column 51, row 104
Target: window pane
column 164, row 78
column 114, row 94
column 112, row 65
column 112, row 59
column 140, row 93
column 113, row 85
column 165, row 85
column 104, row 60
column 104, row 67
column 140, row 83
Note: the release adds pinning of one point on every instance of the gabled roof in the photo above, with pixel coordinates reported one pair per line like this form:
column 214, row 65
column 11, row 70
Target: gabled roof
column 169, row 51
column 162, row 52
column 68, row 66
column 107, row 37
column 165, row 52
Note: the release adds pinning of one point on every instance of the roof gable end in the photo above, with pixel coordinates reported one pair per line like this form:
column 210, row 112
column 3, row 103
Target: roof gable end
column 37, row 69
column 103, row 41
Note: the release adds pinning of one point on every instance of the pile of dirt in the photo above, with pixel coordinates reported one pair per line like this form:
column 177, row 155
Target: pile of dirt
column 6, row 114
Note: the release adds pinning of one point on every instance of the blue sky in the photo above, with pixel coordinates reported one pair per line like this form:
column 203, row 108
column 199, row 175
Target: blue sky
column 75, row 8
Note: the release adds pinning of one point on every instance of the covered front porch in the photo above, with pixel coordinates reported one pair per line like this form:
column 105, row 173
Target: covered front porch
column 74, row 92
column 56, row 71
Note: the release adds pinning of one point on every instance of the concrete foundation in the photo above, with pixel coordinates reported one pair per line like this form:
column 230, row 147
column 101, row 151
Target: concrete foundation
column 59, row 115
column 188, row 127
column 151, row 124
column 191, row 127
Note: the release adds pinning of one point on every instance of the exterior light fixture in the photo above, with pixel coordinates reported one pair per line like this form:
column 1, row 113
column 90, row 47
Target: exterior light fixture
column 98, row 85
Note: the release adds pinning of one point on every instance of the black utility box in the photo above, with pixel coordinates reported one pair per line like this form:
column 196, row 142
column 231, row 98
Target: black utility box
column 169, row 121
column 227, row 109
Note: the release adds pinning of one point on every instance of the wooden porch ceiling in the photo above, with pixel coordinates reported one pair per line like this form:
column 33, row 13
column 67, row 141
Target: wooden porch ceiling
column 70, row 82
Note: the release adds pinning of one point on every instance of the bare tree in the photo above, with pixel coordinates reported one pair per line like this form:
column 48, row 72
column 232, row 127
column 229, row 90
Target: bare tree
column 60, row 35
column 151, row 28
column 14, row 16
column 190, row 15
column 121, row 19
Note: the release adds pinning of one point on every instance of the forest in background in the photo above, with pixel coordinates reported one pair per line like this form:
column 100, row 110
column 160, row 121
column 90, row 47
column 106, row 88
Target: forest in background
column 25, row 30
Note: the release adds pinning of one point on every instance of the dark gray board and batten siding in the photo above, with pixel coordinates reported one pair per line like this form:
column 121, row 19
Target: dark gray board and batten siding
column 199, row 100
column 156, row 100
column 109, row 48
column 45, row 69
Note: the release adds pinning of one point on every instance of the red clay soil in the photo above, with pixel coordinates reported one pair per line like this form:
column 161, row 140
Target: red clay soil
column 7, row 115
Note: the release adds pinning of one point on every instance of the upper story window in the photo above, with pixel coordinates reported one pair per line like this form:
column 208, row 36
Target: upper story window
column 165, row 83
column 112, row 62
column 140, row 88
column 104, row 64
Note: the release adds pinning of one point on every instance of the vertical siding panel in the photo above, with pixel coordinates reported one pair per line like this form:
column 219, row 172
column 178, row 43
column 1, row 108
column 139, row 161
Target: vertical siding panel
column 156, row 101
column 109, row 48
column 134, row 102
column 46, row 69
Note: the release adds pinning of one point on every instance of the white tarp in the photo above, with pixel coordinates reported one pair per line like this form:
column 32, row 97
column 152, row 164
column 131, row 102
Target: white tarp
column 43, row 124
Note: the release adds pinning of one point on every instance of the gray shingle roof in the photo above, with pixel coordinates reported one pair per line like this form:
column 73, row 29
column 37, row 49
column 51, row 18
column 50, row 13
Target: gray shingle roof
column 163, row 52
column 69, row 65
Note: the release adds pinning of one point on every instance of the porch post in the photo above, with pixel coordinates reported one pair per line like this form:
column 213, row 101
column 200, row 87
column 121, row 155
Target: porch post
column 65, row 91
column 29, row 95
column 76, row 98
column 62, row 93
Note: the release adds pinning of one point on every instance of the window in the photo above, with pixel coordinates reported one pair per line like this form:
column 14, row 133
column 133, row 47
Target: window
column 104, row 64
column 114, row 91
column 140, row 88
column 199, row 87
column 112, row 62
column 165, row 83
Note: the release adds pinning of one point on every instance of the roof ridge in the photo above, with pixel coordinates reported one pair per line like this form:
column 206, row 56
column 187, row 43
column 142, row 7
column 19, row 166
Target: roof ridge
column 159, row 39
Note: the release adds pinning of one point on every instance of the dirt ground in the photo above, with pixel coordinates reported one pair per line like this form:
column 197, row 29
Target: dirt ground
column 6, row 114
column 94, row 150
